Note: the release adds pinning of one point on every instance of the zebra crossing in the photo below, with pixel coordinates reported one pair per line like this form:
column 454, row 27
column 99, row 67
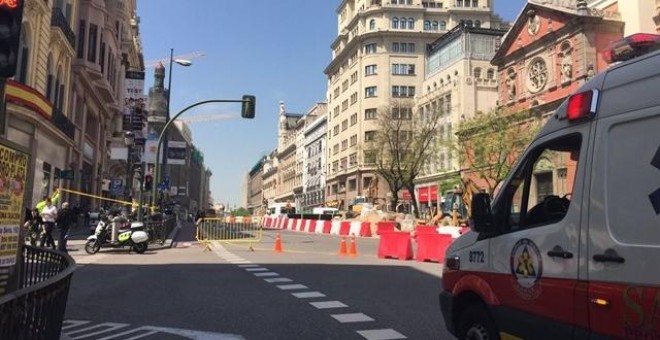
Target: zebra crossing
column 86, row 329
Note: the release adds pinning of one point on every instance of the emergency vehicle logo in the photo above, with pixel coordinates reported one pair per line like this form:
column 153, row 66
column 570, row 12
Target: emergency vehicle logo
column 526, row 267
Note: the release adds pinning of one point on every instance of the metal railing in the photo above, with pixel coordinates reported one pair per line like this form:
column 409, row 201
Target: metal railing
column 58, row 19
column 36, row 309
column 221, row 230
column 159, row 229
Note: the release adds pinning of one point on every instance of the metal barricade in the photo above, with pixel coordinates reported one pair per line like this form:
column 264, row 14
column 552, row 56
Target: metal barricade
column 223, row 230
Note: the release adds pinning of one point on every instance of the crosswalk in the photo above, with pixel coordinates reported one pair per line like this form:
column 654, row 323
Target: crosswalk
column 85, row 329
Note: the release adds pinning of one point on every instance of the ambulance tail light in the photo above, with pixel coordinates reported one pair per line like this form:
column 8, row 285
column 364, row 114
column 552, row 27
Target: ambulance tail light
column 582, row 105
column 631, row 47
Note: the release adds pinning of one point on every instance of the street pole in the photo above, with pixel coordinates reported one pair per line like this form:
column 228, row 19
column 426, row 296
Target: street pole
column 169, row 95
column 163, row 133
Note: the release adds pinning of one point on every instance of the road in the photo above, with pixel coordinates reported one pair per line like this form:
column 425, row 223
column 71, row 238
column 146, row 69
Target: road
column 230, row 292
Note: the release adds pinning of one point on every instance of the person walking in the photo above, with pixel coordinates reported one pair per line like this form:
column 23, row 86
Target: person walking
column 33, row 226
column 49, row 214
column 65, row 218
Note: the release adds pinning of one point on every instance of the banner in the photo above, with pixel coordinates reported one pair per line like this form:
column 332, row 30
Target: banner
column 135, row 103
column 13, row 177
column 176, row 153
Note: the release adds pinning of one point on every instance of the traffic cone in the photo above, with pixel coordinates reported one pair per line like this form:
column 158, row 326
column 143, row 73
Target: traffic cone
column 353, row 250
column 342, row 247
column 278, row 243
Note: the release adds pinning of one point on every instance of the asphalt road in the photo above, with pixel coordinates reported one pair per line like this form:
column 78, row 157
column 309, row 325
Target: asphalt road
column 230, row 292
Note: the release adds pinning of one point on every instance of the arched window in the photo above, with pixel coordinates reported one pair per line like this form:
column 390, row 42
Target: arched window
column 23, row 57
column 411, row 24
column 58, row 98
column 443, row 25
column 403, row 23
column 435, row 85
column 468, row 23
column 395, row 23
column 477, row 23
column 49, row 79
column 428, row 88
column 475, row 3
column 490, row 74
column 476, row 72
column 434, row 25
column 372, row 24
column 427, row 25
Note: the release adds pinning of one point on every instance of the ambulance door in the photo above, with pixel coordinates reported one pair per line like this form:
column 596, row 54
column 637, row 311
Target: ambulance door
column 624, row 219
column 535, row 256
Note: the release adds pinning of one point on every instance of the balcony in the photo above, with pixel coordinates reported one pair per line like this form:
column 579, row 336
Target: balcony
column 63, row 123
column 58, row 20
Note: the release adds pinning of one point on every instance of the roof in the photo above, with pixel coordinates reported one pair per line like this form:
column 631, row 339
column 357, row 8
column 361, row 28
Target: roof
column 456, row 32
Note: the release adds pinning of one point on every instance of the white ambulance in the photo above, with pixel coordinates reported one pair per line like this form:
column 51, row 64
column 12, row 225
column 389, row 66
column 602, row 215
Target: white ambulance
column 569, row 248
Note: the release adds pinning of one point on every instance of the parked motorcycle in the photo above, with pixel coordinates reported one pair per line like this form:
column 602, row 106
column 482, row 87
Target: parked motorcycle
column 135, row 238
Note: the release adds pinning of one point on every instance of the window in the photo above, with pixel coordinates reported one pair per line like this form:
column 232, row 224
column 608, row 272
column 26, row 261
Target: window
column 102, row 55
column 81, row 39
column 443, row 25
column 352, row 184
column 335, row 112
column 434, row 25
column 335, row 166
column 23, row 57
column 344, row 144
column 344, row 86
column 335, row 149
column 335, row 130
column 411, row 24
column 352, row 159
column 370, row 91
column 369, row 156
column 370, row 70
column 427, row 25
column 372, row 24
column 344, row 125
column 370, row 48
column 468, row 23
column 91, row 49
column 336, row 91
column 370, row 114
column 405, row 69
column 395, row 23
column 490, row 74
column 354, row 77
column 354, row 98
column 476, row 72
column 540, row 192
column 343, row 163
column 50, row 78
column 401, row 113
column 477, row 23
column 475, row 3
column 344, row 105
column 459, row 3
column 402, row 47
column 403, row 91
column 353, row 119
column 369, row 136
column 353, row 140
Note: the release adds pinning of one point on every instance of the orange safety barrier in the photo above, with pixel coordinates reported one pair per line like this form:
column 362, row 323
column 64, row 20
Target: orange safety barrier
column 432, row 247
column 353, row 250
column 342, row 247
column 395, row 244
column 278, row 243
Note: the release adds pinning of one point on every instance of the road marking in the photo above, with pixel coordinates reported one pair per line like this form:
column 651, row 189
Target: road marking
column 328, row 304
column 248, row 265
column 109, row 326
column 257, row 269
column 142, row 335
column 352, row 317
column 381, row 334
column 291, row 287
column 240, row 262
column 130, row 331
column 138, row 332
column 307, row 295
column 278, row 279
column 266, row 274
column 73, row 323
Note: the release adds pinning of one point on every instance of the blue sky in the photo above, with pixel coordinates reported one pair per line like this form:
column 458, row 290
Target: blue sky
column 275, row 50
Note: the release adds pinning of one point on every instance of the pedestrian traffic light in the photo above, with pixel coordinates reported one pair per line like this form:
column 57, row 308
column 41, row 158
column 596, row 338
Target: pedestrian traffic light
column 247, row 110
column 148, row 182
column 11, row 15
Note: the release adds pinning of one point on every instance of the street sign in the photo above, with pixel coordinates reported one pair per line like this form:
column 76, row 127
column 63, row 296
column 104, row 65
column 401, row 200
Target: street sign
column 116, row 186
column 66, row 174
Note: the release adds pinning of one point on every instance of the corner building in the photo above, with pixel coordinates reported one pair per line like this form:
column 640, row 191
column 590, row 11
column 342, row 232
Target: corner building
column 378, row 60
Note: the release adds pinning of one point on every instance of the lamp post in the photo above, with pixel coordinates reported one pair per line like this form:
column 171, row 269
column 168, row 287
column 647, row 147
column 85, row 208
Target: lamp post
column 129, row 141
column 182, row 62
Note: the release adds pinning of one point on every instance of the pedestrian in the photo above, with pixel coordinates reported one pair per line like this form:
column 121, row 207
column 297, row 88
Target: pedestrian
column 65, row 218
column 200, row 217
column 48, row 214
column 33, row 226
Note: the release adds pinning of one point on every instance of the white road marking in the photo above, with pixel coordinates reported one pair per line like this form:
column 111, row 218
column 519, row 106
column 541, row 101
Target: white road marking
column 107, row 326
column 278, row 279
column 307, row 295
column 352, row 317
column 145, row 332
column 328, row 304
column 142, row 335
column 266, row 274
column 248, row 265
column 291, row 287
column 66, row 324
column 381, row 334
column 257, row 269
column 130, row 331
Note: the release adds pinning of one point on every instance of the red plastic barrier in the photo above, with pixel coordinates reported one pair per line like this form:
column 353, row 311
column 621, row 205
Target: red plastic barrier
column 269, row 222
column 432, row 247
column 395, row 244
column 345, row 228
column 327, row 225
column 365, row 229
column 296, row 224
column 384, row 226
column 426, row 229
column 312, row 226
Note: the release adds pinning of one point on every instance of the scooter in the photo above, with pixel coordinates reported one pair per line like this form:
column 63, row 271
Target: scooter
column 135, row 238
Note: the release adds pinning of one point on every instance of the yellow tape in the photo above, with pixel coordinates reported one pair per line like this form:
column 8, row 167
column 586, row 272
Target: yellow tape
column 80, row 193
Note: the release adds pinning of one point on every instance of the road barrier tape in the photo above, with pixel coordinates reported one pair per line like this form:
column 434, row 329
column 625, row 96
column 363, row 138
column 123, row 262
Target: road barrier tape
column 80, row 193
column 218, row 230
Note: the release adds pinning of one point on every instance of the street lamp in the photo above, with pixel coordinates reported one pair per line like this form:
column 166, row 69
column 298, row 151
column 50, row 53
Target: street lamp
column 129, row 141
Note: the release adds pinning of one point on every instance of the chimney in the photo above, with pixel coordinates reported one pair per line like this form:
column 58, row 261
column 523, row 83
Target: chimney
column 582, row 8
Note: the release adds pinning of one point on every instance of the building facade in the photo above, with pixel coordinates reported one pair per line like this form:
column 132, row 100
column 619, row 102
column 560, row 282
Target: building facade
column 639, row 16
column 314, row 157
column 378, row 61
column 459, row 81
column 255, row 195
column 270, row 177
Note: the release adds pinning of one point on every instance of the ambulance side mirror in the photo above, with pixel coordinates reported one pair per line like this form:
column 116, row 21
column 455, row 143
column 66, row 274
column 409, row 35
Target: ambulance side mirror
column 482, row 215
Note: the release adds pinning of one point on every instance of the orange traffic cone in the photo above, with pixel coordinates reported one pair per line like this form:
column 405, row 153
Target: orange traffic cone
column 353, row 250
column 342, row 247
column 278, row 243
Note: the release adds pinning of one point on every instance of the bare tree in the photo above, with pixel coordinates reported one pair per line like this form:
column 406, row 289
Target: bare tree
column 401, row 145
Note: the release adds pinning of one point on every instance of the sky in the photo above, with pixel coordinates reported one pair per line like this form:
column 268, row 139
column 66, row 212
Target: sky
column 275, row 50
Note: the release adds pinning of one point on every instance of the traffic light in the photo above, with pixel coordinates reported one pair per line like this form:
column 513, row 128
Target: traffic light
column 247, row 110
column 11, row 14
column 148, row 182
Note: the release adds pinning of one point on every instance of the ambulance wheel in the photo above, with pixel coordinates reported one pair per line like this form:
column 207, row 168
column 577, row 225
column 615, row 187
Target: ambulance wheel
column 476, row 324
column 140, row 248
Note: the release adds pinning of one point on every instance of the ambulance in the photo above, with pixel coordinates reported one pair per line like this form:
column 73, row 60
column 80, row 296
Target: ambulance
column 569, row 247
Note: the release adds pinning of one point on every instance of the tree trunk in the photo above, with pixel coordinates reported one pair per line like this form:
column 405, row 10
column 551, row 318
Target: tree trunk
column 413, row 198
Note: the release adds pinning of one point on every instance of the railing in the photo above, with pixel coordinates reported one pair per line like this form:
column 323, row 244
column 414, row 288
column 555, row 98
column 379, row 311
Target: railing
column 63, row 123
column 58, row 20
column 36, row 309
column 159, row 228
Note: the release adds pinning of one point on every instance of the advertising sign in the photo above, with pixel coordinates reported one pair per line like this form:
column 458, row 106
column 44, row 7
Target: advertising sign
column 135, row 102
column 176, row 153
column 13, row 176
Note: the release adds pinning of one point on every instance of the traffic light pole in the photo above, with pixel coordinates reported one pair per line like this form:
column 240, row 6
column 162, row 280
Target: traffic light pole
column 163, row 133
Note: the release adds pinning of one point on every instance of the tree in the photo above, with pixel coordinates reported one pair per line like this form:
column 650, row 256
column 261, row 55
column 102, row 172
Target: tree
column 401, row 145
column 490, row 143
column 240, row 212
